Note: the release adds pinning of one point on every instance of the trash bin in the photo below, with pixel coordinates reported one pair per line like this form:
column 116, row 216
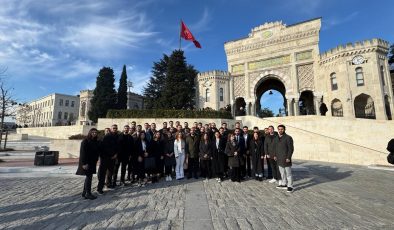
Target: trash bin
column 39, row 158
column 51, row 158
column 46, row 158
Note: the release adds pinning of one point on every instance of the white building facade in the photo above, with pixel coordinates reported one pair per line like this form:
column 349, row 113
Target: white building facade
column 52, row 110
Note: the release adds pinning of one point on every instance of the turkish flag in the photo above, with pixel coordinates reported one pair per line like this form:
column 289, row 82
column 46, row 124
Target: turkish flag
column 187, row 35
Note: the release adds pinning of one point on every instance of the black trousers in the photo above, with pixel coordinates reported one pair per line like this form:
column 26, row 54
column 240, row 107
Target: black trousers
column 269, row 168
column 105, row 172
column 246, row 167
column 236, row 174
column 122, row 164
column 193, row 168
column 87, row 186
column 168, row 169
column 206, row 168
column 275, row 169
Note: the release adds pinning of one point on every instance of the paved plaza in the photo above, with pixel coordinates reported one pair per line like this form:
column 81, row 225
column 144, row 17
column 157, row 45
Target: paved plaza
column 326, row 196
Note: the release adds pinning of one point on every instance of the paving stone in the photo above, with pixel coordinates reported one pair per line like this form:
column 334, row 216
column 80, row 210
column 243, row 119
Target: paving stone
column 326, row 196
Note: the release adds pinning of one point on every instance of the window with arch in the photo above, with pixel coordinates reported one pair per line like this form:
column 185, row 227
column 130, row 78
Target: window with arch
column 207, row 95
column 221, row 98
column 382, row 75
column 333, row 79
column 359, row 76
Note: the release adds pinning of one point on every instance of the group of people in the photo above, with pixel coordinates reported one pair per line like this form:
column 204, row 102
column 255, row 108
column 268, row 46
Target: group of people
column 147, row 154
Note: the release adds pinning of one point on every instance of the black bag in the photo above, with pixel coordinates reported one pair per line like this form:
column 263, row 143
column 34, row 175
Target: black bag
column 169, row 161
column 390, row 158
column 390, row 146
column 150, row 163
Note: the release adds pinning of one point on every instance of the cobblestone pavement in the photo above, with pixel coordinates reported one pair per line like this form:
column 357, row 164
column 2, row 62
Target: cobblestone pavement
column 326, row 196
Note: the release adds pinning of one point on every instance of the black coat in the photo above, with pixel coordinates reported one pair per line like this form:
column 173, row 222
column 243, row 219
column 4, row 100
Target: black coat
column 256, row 150
column 218, row 156
column 205, row 148
column 110, row 146
column 126, row 143
column 231, row 148
column 88, row 154
column 284, row 149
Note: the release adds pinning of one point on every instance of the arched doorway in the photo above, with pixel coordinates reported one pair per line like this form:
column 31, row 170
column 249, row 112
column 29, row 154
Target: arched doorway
column 306, row 103
column 240, row 105
column 364, row 107
column 270, row 94
column 336, row 108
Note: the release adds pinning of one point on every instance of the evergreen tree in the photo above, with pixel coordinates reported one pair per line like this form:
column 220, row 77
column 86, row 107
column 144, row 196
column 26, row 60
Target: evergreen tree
column 104, row 95
column 179, row 87
column 122, row 90
column 153, row 91
column 391, row 55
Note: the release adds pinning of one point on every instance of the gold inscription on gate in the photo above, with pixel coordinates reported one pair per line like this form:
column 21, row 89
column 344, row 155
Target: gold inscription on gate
column 304, row 55
column 269, row 62
column 240, row 68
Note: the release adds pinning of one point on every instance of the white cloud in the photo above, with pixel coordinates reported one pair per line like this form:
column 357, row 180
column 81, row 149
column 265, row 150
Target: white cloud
column 335, row 21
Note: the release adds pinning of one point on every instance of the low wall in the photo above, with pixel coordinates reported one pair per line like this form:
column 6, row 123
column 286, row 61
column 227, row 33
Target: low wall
column 107, row 122
column 17, row 137
column 56, row 132
column 66, row 148
column 339, row 140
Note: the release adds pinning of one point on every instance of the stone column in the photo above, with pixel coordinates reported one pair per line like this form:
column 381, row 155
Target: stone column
column 289, row 109
column 317, row 105
column 296, row 107
column 247, row 108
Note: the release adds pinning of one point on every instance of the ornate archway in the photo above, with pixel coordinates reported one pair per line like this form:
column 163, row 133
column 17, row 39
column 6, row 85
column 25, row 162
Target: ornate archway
column 265, row 84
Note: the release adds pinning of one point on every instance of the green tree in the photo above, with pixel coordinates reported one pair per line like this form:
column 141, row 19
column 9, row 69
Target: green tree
column 122, row 90
column 179, row 87
column 391, row 55
column 155, row 87
column 266, row 112
column 104, row 95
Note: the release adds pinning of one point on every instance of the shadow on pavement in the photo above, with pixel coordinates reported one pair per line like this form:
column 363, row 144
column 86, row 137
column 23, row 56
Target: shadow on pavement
column 318, row 174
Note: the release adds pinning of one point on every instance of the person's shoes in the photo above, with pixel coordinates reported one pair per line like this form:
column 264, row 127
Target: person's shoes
column 83, row 194
column 272, row 181
column 281, row 186
column 169, row 178
column 219, row 180
column 100, row 192
column 290, row 189
column 260, row 179
column 90, row 197
column 206, row 180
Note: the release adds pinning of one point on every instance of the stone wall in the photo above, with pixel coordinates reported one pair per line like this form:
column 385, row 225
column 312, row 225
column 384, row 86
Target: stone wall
column 56, row 132
column 334, row 139
column 107, row 122
column 66, row 148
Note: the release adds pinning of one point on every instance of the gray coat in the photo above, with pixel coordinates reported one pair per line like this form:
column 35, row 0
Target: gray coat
column 284, row 149
column 269, row 145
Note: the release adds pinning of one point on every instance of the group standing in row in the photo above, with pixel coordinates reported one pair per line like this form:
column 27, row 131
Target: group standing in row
column 147, row 154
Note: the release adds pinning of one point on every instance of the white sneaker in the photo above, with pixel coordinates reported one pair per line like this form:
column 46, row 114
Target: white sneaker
column 272, row 181
column 169, row 178
column 206, row 180
column 219, row 180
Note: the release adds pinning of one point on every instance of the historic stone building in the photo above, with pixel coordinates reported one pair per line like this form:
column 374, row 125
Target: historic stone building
column 350, row 81
column 51, row 110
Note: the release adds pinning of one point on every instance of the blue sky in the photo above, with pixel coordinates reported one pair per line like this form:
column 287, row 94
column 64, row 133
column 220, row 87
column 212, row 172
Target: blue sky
column 59, row 46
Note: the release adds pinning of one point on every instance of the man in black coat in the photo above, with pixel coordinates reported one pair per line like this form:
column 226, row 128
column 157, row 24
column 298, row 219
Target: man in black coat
column 108, row 157
column 284, row 149
column 125, row 142
column 246, row 170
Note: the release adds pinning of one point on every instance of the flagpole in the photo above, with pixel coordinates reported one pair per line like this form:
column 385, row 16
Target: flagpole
column 180, row 31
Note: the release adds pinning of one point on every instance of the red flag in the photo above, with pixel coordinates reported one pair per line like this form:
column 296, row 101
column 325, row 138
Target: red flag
column 187, row 35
